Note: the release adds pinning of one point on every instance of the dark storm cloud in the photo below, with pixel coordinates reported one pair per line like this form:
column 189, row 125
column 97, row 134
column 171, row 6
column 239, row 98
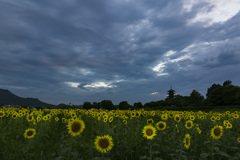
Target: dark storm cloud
column 85, row 48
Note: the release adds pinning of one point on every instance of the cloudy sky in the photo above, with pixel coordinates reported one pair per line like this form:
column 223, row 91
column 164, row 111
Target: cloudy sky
column 121, row 50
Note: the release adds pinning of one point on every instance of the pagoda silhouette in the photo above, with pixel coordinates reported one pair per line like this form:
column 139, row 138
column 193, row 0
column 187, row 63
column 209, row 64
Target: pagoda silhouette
column 171, row 92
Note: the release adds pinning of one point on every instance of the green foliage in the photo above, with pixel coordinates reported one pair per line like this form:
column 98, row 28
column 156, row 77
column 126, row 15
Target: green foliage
column 227, row 94
column 107, row 104
column 124, row 105
column 87, row 105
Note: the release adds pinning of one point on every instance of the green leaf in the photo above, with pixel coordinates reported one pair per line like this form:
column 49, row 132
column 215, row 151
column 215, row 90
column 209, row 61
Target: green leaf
column 206, row 142
column 216, row 149
column 223, row 154
column 144, row 157
column 204, row 155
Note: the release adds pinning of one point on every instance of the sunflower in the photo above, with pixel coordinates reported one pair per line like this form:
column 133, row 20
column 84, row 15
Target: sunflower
column 192, row 117
column 125, row 121
column 199, row 131
column 150, row 121
column 213, row 118
column 238, row 139
column 30, row 118
column 75, row 127
column 104, row 143
column 217, row 132
column 149, row 132
column 56, row 119
column 236, row 116
column 15, row 115
column 177, row 118
column 189, row 124
column 2, row 113
column 110, row 119
column 164, row 116
column 29, row 133
column 133, row 114
column 161, row 125
column 229, row 125
column 170, row 114
column 186, row 141
column 105, row 120
column 45, row 118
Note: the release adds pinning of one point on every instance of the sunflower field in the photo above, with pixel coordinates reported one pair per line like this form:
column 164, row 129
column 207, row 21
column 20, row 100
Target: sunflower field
column 95, row 134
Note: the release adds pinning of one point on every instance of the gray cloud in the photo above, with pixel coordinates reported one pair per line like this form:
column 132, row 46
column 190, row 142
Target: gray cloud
column 82, row 51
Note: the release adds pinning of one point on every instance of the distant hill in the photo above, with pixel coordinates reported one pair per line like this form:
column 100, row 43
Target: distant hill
column 8, row 98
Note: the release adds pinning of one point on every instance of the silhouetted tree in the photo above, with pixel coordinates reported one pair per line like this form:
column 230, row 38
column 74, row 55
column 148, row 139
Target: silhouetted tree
column 227, row 94
column 196, row 99
column 124, row 105
column 137, row 105
column 227, row 83
column 107, row 104
column 87, row 105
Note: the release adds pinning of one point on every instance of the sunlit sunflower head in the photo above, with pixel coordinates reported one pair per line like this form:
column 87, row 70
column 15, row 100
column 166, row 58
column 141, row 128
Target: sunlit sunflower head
column 149, row 132
column 229, row 125
column 76, row 127
column 192, row 117
column 64, row 120
column 105, row 120
column 213, row 118
column 199, row 131
column 15, row 115
column 177, row 118
column 217, row 132
column 189, row 124
column 236, row 116
column 186, row 141
column 2, row 113
column 171, row 115
column 238, row 139
column 103, row 144
column 133, row 114
column 150, row 121
column 30, row 118
column 164, row 116
column 56, row 119
column 29, row 133
column 110, row 119
column 161, row 125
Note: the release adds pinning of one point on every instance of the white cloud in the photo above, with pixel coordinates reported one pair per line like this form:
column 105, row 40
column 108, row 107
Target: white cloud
column 169, row 53
column 72, row 84
column 159, row 69
column 75, row 71
column 100, row 85
column 223, row 10
column 154, row 93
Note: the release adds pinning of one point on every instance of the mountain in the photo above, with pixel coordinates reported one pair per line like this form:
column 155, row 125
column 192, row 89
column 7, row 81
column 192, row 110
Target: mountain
column 8, row 98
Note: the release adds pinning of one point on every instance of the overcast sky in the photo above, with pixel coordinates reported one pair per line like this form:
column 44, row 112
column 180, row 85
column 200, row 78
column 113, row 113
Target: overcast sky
column 121, row 50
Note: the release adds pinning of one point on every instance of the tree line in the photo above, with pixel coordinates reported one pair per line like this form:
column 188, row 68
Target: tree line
column 217, row 95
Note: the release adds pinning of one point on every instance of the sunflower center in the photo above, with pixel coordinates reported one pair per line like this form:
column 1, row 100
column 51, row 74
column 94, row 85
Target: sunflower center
column 161, row 125
column 104, row 143
column 30, row 133
column 149, row 132
column 76, row 127
column 1, row 113
column 189, row 124
column 177, row 118
column 217, row 132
